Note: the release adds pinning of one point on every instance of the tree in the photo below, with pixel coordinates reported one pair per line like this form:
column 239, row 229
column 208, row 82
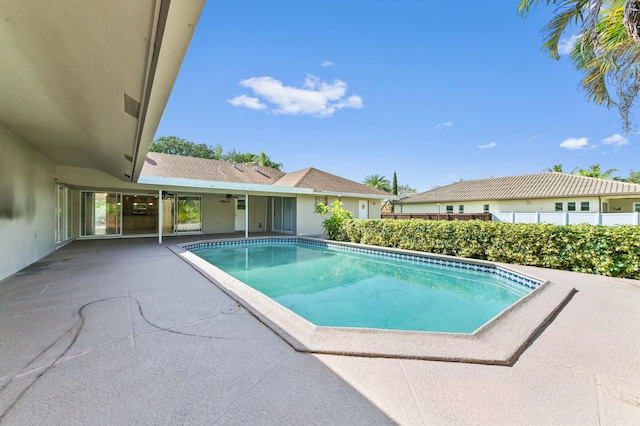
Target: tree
column 607, row 50
column 634, row 177
column 264, row 160
column 238, row 157
column 394, row 186
column 406, row 189
column 246, row 158
column 177, row 146
column 555, row 168
column 595, row 172
column 378, row 182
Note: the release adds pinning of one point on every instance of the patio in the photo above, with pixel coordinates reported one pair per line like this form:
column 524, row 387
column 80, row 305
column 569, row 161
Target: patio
column 123, row 331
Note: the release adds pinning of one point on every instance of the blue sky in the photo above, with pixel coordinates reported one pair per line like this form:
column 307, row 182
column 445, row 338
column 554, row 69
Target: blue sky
column 436, row 91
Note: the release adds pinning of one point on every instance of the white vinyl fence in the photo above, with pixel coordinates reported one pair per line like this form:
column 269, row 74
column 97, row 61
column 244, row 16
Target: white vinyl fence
column 570, row 218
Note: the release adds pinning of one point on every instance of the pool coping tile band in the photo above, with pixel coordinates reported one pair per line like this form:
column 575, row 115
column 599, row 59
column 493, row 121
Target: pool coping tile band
column 500, row 341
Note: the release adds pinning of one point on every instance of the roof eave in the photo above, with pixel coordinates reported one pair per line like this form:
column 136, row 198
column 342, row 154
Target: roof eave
column 175, row 27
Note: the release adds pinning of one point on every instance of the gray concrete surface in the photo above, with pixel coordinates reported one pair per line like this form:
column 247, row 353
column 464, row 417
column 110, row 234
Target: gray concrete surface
column 125, row 332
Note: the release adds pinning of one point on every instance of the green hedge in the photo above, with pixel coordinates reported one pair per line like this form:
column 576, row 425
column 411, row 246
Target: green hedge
column 604, row 250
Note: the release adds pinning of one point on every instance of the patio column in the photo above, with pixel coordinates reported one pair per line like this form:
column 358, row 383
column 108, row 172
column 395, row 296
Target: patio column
column 246, row 215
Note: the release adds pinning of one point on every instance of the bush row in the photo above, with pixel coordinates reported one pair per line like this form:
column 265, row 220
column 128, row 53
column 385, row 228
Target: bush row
column 604, row 250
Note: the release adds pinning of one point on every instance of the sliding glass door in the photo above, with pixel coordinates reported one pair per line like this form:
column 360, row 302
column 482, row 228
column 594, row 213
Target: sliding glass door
column 188, row 214
column 101, row 213
column 63, row 198
column 283, row 214
column 116, row 214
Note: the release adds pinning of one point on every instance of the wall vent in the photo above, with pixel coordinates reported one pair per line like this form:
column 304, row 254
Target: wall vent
column 131, row 106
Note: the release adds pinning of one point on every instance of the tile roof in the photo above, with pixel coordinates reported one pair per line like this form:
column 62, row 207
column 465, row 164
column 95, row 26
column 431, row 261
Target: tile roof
column 175, row 166
column 540, row 185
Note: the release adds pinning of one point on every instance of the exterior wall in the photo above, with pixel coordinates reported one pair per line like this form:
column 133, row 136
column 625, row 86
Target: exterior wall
column 259, row 211
column 27, row 205
column 310, row 223
column 307, row 220
column 504, row 206
column 375, row 209
column 217, row 217
column 621, row 205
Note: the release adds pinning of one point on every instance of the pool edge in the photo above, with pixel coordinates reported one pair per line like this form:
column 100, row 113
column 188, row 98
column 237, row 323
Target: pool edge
column 499, row 342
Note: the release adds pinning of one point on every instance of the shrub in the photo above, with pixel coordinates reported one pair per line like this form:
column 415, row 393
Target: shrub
column 333, row 219
column 603, row 250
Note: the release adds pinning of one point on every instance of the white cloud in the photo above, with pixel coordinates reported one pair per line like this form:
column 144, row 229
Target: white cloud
column 316, row 97
column 565, row 45
column 616, row 140
column 247, row 102
column 326, row 64
column 575, row 143
column 489, row 145
column 445, row 124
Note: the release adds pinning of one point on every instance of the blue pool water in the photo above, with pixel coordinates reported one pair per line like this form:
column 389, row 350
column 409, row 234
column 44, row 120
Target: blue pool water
column 333, row 287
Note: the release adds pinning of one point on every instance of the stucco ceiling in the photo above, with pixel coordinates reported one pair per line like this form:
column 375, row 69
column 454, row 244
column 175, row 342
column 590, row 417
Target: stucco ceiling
column 84, row 82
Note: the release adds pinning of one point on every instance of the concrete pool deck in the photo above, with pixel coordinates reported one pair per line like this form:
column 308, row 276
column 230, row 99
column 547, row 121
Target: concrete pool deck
column 124, row 331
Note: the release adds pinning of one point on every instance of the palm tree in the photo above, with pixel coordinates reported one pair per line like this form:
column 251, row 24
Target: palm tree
column 265, row 160
column 555, row 168
column 607, row 50
column 595, row 172
column 378, row 182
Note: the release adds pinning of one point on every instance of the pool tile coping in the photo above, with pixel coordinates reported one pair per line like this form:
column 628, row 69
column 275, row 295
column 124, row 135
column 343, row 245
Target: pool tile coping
column 500, row 341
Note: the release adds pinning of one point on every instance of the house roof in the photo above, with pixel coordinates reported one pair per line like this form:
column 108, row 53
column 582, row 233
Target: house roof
column 326, row 182
column 175, row 166
column 540, row 185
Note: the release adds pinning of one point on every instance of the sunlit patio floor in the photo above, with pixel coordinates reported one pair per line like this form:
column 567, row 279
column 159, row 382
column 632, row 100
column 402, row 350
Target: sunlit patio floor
column 125, row 332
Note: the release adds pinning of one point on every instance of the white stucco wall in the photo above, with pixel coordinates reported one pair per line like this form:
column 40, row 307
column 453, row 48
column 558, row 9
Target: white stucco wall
column 27, row 205
column 502, row 206
column 310, row 223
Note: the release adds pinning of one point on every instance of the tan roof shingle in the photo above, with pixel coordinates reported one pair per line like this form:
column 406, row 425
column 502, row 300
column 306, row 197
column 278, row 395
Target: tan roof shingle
column 167, row 165
column 540, row 185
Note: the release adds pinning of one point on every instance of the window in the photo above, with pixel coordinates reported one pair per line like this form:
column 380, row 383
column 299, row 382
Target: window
column 571, row 206
column 461, row 208
column 559, row 207
column 485, row 208
column 636, row 207
column 449, row 209
column 584, row 206
column 323, row 200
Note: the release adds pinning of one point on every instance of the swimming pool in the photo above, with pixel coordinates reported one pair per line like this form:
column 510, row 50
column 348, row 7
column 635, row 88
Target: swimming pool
column 332, row 286
column 499, row 341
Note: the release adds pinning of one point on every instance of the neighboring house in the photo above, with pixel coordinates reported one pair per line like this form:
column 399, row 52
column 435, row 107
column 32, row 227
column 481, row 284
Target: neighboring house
column 83, row 86
column 534, row 193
